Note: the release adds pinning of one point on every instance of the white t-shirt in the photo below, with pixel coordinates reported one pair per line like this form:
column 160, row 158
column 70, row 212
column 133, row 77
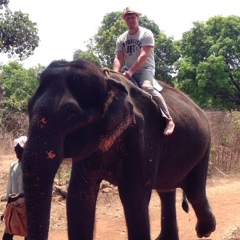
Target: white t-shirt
column 131, row 46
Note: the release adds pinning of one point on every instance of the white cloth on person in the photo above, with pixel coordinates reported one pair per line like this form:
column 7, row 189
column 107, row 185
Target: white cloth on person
column 157, row 86
column 21, row 141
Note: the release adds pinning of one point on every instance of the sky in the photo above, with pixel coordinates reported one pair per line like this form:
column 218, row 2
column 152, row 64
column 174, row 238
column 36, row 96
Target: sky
column 65, row 26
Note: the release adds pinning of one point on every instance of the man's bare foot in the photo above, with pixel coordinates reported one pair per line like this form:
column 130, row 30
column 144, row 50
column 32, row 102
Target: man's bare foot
column 169, row 128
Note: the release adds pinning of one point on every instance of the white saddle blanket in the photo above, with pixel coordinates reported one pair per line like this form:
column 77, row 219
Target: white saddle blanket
column 157, row 86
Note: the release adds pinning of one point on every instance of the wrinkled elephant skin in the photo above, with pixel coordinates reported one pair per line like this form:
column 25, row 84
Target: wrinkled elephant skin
column 113, row 131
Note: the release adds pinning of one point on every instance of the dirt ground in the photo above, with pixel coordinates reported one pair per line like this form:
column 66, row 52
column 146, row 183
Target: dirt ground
column 223, row 193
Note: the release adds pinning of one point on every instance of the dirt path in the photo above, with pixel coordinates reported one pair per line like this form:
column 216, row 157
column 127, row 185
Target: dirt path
column 223, row 194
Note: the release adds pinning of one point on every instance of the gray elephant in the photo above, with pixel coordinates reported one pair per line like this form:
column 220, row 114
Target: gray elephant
column 113, row 131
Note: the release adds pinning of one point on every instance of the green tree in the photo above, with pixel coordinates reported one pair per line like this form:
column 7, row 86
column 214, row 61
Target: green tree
column 3, row 3
column 87, row 55
column 18, row 35
column 167, row 52
column 102, row 45
column 209, row 70
column 103, row 42
column 19, row 83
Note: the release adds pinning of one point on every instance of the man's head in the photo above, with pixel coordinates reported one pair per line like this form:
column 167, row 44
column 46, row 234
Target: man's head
column 19, row 144
column 129, row 11
column 131, row 17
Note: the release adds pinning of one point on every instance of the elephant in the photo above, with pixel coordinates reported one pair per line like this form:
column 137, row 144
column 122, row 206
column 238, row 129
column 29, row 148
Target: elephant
column 113, row 131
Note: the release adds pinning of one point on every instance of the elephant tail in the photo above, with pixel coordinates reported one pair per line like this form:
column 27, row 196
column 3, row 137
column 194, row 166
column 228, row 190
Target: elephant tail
column 185, row 206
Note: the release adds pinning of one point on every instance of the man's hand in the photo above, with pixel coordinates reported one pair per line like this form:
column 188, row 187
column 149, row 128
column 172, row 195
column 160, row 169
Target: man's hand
column 128, row 74
column 14, row 197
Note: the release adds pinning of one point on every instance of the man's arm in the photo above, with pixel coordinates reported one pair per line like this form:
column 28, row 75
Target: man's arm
column 118, row 61
column 139, row 62
column 15, row 196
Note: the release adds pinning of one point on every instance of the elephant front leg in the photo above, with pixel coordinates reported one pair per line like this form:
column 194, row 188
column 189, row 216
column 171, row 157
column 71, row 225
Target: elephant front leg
column 135, row 200
column 81, row 204
column 169, row 229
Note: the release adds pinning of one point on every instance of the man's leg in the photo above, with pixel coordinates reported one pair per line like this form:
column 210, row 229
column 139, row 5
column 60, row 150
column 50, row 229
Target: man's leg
column 158, row 98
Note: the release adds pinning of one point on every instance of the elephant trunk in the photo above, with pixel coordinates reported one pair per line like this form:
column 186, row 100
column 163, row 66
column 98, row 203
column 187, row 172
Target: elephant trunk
column 39, row 168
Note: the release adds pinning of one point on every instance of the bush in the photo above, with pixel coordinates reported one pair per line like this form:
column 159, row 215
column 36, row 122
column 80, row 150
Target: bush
column 13, row 124
column 225, row 151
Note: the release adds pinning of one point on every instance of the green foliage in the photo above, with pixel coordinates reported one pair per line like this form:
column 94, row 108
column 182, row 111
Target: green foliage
column 18, row 35
column 209, row 68
column 79, row 54
column 204, row 64
column 13, row 105
column 103, row 43
column 19, row 84
column 3, row 3
column 166, row 54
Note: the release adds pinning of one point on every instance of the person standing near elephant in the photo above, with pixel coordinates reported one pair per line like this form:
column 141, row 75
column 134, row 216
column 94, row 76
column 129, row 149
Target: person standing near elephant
column 15, row 192
column 135, row 47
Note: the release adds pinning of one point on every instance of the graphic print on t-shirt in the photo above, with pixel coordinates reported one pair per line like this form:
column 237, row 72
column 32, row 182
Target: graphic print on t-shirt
column 131, row 46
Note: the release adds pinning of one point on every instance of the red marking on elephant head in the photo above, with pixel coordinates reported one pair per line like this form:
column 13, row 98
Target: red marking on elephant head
column 51, row 154
column 42, row 122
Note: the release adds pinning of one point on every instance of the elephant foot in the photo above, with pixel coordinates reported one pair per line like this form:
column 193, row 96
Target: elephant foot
column 205, row 228
column 168, row 236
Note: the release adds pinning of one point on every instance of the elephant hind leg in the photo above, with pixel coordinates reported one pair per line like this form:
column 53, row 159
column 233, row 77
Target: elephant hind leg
column 206, row 225
column 195, row 190
column 169, row 228
column 206, row 222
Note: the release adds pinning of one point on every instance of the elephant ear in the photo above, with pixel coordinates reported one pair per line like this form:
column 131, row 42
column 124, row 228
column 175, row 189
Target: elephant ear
column 118, row 114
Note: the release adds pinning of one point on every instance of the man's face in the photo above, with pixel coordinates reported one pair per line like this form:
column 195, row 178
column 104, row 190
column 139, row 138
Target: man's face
column 131, row 20
column 19, row 152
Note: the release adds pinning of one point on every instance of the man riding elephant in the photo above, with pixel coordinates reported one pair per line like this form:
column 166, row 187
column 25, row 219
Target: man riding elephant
column 135, row 47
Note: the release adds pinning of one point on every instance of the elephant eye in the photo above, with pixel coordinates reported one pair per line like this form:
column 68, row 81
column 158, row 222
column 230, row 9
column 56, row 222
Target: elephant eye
column 71, row 110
